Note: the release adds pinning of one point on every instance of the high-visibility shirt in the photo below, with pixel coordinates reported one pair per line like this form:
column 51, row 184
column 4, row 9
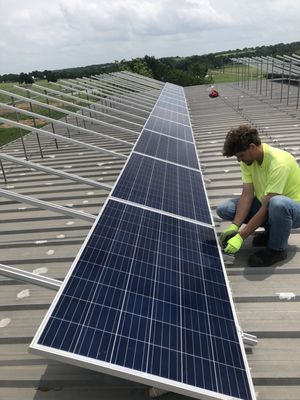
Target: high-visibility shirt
column 278, row 173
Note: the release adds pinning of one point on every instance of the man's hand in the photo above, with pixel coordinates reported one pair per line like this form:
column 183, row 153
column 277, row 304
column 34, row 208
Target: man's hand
column 227, row 234
column 234, row 244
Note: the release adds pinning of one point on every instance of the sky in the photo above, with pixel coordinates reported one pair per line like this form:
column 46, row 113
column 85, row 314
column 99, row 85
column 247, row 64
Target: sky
column 56, row 34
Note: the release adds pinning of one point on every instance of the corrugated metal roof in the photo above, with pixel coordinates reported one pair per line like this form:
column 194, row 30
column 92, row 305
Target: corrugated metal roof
column 45, row 242
column 275, row 361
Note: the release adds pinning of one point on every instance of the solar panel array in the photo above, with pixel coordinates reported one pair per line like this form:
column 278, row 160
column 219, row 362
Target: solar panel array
column 147, row 297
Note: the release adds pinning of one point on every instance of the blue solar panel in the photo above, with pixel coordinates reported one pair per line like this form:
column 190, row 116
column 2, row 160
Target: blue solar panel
column 171, row 115
column 148, row 296
column 171, row 99
column 173, row 107
column 164, row 186
column 169, row 128
column 167, row 148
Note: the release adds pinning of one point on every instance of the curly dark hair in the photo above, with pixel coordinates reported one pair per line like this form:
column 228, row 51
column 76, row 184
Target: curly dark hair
column 239, row 139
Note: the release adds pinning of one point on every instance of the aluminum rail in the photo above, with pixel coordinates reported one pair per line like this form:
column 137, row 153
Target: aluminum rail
column 46, row 205
column 133, row 80
column 30, row 100
column 151, row 81
column 141, row 87
column 64, row 124
column 109, row 88
column 122, row 101
column 140, row 80
column 93, row 103
column 54, row 171
column 29, row 277
column 115, row 81
column 85, row 86
column 141, row 100
column 62, row 138
column 123, row 82
column 94, row 83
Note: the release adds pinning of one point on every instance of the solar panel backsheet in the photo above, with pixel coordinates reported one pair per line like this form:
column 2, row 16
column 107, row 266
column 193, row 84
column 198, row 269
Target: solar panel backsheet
column 147, row 296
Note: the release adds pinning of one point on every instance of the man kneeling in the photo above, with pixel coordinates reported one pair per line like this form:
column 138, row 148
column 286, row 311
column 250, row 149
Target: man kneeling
column 270, row 197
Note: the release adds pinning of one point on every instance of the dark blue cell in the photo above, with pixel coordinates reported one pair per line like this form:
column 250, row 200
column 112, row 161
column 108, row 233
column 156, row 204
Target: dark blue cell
column 163, row 186
column 165, row 104
column 171, row 116
column 167, row 148
column 170, row 128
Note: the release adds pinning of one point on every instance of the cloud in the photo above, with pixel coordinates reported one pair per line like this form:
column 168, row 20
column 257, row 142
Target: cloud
column 64, row 33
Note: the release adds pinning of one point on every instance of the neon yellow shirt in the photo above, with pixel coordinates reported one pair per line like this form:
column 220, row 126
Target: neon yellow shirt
column 278, row 173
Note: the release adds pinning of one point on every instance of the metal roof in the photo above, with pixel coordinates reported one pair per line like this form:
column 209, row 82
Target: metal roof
column 45, row 242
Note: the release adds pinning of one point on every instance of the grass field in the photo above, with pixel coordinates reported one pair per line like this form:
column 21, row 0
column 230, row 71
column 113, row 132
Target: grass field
column 231, row 73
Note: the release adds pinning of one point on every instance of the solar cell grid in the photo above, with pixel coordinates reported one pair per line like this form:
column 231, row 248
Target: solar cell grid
column 173, row 107
column 169, row 128
column 172, row 100
column 171, row 86
column 171, row 115
column 173, row 93
column 167, row 148
column 139, row 298
column 163, row 186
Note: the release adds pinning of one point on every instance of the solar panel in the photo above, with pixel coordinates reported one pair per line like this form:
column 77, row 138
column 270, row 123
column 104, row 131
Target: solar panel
column 171, row 115
column 163, row 186
column 147, row 296
column 173, row 107
column 167, row 148
column 169, row 128
column 169, row 98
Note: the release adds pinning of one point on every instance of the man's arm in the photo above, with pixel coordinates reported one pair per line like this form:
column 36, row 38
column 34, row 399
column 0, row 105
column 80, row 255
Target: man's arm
column 244, row 204
column 258, row 219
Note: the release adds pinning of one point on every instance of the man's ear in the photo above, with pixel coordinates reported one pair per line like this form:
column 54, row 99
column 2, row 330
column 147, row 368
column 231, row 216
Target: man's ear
column 252, row 146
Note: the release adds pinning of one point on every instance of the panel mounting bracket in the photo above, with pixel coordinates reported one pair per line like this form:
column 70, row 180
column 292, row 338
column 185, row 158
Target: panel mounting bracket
column 250, row 340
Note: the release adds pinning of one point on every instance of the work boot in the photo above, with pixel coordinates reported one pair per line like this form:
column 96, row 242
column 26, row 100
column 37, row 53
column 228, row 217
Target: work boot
column 260, row 239
column 266, row 257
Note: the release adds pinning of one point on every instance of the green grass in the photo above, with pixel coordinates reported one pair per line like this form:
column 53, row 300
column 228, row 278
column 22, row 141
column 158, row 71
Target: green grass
column 9, row 134
column 232, row 73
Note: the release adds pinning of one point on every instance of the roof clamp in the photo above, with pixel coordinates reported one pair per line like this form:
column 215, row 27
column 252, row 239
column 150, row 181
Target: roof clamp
column 248, row 339
column 228, row 258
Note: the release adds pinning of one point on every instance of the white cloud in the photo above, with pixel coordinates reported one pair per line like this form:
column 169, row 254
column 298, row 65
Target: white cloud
column 53, row 34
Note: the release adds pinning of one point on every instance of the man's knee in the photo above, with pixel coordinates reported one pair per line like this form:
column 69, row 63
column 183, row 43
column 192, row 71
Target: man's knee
column 277, row 204
column 226, row 210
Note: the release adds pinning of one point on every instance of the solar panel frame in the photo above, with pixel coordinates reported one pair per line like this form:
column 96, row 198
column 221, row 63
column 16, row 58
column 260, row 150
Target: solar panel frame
column 136, row 375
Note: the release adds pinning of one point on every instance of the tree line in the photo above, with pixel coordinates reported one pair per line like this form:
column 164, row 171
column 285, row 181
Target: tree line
column 184, row 71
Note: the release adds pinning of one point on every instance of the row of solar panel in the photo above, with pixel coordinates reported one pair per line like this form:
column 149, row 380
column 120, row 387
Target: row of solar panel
column 150, row 178
column 147, row 296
